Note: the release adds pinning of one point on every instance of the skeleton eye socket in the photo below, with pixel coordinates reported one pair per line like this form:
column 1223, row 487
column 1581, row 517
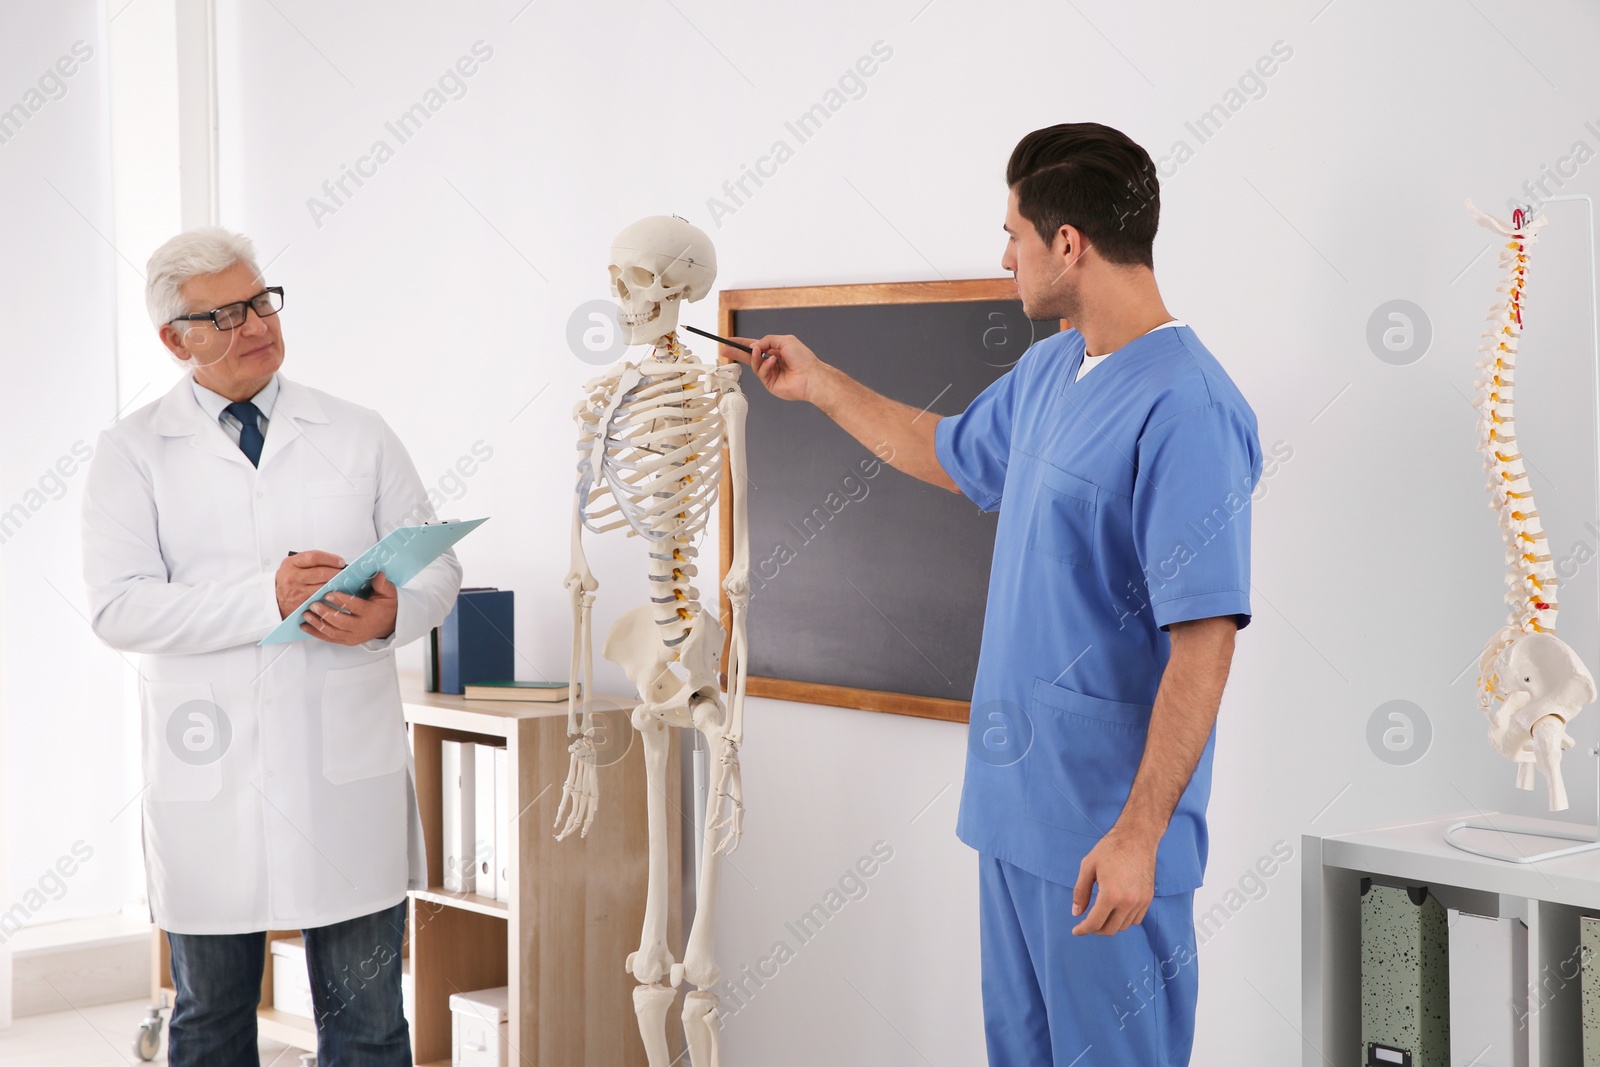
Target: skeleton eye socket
column 640, row 277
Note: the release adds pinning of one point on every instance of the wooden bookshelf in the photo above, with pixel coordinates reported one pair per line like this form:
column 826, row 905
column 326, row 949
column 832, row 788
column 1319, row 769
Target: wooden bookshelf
column 576, row 906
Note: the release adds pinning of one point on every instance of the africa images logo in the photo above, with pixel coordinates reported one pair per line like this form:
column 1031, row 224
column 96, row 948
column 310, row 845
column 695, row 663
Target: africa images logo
column 198, row 732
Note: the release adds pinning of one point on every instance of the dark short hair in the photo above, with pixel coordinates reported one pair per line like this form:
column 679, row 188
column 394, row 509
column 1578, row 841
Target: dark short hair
column 1093, row 177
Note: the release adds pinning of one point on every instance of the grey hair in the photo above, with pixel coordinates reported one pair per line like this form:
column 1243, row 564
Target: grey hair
column 206, row 250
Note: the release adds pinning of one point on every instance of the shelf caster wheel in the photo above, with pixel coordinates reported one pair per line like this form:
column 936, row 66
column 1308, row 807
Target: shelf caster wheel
column 147, row 1044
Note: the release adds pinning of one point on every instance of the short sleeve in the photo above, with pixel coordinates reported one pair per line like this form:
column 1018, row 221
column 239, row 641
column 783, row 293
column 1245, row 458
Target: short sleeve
column 974, row 446
column 1191, row 514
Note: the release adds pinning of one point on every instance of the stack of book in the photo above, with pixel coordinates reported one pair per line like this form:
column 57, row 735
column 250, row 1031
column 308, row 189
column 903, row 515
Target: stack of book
column 477, row 640
column 543, row 692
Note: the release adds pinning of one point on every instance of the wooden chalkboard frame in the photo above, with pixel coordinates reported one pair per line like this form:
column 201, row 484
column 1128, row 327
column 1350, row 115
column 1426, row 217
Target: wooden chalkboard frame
column 974, row 290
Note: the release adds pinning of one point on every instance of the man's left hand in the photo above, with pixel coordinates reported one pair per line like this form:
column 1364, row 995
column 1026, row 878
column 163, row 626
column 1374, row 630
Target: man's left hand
column 1123, row 864
column 342, row 619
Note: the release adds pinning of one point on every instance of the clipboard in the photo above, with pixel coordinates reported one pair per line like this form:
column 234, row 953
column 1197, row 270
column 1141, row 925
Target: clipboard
column 400, row 556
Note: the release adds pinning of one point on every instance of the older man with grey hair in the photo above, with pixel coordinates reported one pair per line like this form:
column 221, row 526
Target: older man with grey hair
column 279, row 786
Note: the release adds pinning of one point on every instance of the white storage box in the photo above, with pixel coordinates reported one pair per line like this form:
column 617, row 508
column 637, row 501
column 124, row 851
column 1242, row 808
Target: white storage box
column 408, row 997
column 478, row 1028
column 291, row 981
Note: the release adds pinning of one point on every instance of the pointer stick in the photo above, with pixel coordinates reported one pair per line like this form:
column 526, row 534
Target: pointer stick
column 725, row 341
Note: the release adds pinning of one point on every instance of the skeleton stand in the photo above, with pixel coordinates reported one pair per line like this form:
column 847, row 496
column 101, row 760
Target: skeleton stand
column 1507, row 825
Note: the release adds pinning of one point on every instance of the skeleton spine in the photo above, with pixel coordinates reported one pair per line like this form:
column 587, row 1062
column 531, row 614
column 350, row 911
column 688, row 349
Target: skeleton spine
column 1530, row 573
column 672, row 566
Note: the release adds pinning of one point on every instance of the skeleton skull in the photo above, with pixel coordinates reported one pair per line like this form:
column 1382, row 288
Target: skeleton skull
column 655, row 263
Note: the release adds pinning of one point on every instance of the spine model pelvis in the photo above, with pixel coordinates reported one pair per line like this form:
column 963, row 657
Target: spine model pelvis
column 1530, row 682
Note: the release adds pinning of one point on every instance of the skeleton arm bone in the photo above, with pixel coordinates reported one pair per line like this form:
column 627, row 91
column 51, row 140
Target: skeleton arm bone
column 737, row 586
column 580, row 793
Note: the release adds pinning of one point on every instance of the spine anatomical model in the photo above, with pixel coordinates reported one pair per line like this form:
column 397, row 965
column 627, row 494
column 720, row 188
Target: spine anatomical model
column 651, row 437
column 1537, row 680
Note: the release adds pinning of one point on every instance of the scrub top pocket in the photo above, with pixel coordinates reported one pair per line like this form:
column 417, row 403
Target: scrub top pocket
column 1084, row 755
column 1062, row 526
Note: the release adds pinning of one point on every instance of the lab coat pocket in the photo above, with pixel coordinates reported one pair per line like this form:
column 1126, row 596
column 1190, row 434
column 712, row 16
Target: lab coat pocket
column 341, row 511
column 363, row 730
column 1081, row 764
column 1062, row 528
column 186, row 737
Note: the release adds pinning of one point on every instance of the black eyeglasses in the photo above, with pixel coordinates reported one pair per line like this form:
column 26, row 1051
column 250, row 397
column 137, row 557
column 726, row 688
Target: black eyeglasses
column 267, row 303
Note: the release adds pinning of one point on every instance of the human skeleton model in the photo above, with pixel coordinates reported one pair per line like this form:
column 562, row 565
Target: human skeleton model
column 650, row 441
column 1538, row 679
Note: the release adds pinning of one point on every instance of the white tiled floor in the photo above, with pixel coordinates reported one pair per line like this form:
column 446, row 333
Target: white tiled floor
column 101, row 1036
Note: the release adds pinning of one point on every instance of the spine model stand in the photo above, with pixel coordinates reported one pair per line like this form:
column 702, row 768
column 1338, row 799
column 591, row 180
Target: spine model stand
column 1530, row 682
column 651, row 439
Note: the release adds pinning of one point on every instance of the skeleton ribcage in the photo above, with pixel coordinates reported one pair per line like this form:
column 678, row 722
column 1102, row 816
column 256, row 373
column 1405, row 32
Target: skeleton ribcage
column 652, row 441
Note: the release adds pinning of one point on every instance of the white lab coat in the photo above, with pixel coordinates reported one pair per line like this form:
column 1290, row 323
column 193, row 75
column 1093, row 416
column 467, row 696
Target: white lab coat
column 309, row 816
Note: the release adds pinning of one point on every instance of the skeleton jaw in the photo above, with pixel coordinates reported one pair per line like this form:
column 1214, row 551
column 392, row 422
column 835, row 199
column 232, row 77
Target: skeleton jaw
column 639, row 318
column 647, row 324
column 630, row 313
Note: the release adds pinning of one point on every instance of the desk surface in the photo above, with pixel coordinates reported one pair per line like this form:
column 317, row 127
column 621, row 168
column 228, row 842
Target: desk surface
column 1418, row 851
column 412, row 693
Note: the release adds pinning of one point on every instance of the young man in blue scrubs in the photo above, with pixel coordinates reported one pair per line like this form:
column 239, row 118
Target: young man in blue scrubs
column 1121, row 459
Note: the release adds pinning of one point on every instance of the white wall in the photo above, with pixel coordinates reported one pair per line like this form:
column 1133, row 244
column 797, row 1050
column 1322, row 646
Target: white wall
column 440, row 294
column 6, row 976
column 64, row 722
column 142, row 65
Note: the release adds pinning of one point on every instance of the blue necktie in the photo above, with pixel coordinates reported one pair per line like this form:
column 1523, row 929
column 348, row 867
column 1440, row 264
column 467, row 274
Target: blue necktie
column 250, row 439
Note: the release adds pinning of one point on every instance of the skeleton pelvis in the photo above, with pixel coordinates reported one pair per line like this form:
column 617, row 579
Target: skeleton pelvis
column 634, row 644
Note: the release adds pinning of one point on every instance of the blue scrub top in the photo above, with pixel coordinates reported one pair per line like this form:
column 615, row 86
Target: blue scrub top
column 1124, row 505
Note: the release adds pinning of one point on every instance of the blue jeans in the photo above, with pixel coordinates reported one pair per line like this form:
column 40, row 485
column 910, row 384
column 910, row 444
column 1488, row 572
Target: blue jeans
column 355, row 989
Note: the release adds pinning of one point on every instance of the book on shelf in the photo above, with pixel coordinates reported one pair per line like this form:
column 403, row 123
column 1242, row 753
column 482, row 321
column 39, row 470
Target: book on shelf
column 458, row 765
column 477, row 640
column 483, row 822
column 502, row 825
column 543, row 692
column 430, row 662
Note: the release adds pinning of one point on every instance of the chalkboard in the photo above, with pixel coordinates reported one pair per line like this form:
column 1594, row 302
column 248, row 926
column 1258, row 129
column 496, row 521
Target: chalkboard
column 868, row 585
